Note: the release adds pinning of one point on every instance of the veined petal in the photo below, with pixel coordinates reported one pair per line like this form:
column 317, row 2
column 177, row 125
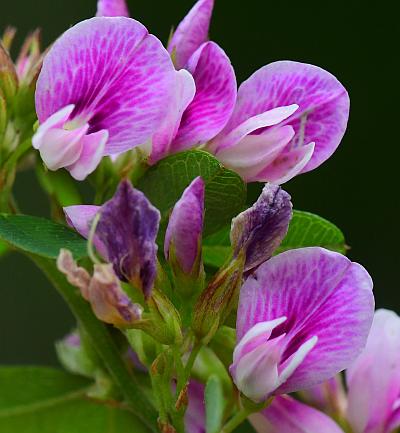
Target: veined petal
column 323, row 101
column 191, row 32
column 374, row 379
column 214, row 101
column 286, row 165
column 269, row 118
column 128, row 227
column 287, row 415
column 185, row 90
column 185, row 226
column 118, row 76
column 260, row 229
column 322, row 294
column 254, row 153
column 112, row 8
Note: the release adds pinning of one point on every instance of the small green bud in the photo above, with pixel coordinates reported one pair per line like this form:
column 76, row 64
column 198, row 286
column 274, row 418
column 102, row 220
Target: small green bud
column 8, row 75
column 162, row 322
column 218, row 299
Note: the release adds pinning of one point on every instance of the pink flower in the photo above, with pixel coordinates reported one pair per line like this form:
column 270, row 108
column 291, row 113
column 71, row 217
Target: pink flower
column 289, row 118
column 103, row 89
column 303, row 316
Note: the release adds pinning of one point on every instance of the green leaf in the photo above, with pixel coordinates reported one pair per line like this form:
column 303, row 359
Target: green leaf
column 3, row 248
column 246, row 427
column 217, row 248
column 40, row 236
column 46, row 400
column 309, row 230
column 164, row 184
column 216, row 255
column 215, row 405
column 305, row 230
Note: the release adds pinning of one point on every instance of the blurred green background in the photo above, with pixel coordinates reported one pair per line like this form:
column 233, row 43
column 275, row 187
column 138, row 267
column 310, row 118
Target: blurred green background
column 356, row 188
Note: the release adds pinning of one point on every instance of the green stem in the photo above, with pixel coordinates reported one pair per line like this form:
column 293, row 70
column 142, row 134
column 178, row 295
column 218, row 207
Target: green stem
column 103, row 343
column 236, row 420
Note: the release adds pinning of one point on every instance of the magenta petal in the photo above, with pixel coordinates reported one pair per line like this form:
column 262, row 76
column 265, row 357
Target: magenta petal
column 185, row 90
column 374, row 379
column 214, row 101
column 112, row 8
column 285, row 166
column 225, row 141
column 287, row 415
column 80, row 218
column 191, row 32
column 323, row 101
column 185, row 226
column 118, row 76
column 324, row 296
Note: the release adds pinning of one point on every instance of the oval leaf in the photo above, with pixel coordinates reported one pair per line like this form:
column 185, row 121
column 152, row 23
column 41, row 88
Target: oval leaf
column 310, row 230
column 40, row 236
column 305, row 230
column 164, row 184
column 46, row 400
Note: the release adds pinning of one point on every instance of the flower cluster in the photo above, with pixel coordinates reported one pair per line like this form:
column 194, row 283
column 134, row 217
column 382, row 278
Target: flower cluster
column 261, row 317
column 108, row 86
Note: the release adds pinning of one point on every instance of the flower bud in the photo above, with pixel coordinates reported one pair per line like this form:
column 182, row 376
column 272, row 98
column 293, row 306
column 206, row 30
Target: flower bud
column 29, row 60
column 163, row 321
column 217, row 300
column 8, row 75
column 182, row 245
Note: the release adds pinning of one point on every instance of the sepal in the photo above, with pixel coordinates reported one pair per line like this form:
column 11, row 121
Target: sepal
column 218, row 299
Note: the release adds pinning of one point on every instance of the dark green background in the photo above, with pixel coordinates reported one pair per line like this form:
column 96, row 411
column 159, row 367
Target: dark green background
column 357, row 188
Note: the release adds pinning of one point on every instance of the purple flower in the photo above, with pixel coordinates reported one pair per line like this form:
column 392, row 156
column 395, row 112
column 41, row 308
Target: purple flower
column 289, row 118
column 125, row 234
column 303, row 316
column 260, row 229
column 185, row 227
column 287, row 415
column 373, row 381
column 191, row 32
column 205, row 95
column 112, row 8
column 104, row 88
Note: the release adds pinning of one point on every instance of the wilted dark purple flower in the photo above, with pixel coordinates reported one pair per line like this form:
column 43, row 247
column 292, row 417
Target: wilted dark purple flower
column 260, row 229
column 126, row 232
